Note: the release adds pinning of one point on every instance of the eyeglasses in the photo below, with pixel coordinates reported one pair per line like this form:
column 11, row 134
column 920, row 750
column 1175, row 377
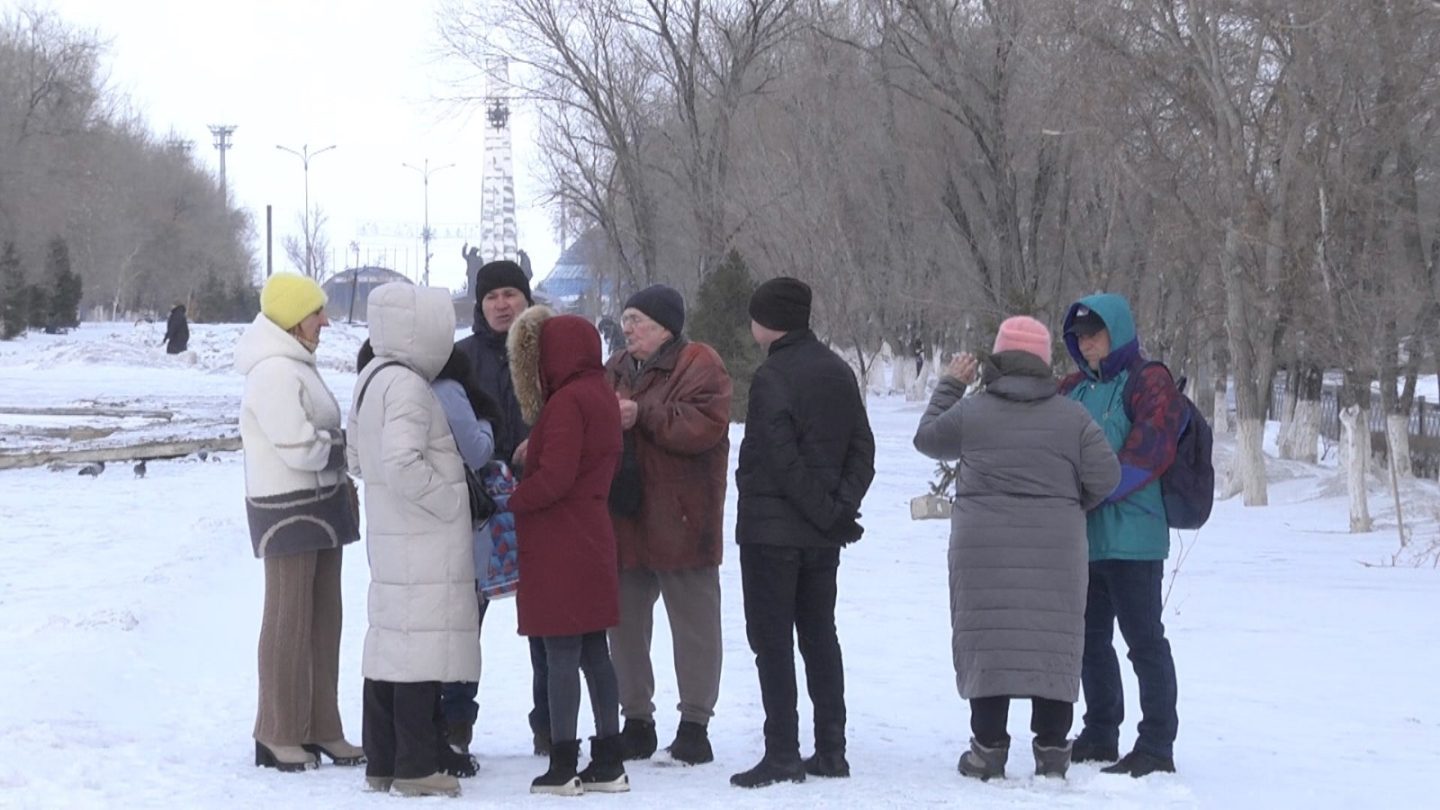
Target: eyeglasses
column 633, row 319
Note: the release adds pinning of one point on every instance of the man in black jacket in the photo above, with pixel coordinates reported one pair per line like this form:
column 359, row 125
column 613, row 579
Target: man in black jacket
column 806, row 461
column 502, row 292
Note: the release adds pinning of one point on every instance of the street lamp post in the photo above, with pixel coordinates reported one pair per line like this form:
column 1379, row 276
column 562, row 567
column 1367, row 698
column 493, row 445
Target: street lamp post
column 305, row 155
column 425, row 232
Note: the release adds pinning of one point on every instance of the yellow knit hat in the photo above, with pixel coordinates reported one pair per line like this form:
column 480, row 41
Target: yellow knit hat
column 289, row 298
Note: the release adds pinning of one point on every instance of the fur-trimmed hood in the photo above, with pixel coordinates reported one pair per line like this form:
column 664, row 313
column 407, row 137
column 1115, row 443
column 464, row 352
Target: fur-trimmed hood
column 546, row 352
column 523, row 344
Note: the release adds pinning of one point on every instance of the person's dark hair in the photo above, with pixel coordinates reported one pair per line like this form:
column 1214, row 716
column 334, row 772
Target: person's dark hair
column 457, row 368
column 365, row 355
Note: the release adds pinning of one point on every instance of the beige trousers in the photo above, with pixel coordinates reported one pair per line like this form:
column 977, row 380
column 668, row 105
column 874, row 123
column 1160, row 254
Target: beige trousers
column 692, row 604
column 300, row 650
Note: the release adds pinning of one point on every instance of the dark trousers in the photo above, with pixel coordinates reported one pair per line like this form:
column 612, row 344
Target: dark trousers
column 1049, row 720
column 457, row 699
column 567, row 657
column 539, row 686
column 790, row 593
column 400, row 733
column 1128, row 591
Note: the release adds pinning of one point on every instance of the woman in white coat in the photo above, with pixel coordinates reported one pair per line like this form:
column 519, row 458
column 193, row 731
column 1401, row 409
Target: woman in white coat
column 423, row 616
column 301, row 511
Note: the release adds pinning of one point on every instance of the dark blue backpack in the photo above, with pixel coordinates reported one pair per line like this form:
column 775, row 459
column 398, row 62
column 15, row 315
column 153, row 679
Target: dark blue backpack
column 1188, row 486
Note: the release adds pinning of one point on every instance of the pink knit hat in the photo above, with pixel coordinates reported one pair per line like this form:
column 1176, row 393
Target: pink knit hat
column 1023, row 334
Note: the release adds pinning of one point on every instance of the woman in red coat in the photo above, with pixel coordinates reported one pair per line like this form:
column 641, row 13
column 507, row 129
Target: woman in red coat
column 569, row 580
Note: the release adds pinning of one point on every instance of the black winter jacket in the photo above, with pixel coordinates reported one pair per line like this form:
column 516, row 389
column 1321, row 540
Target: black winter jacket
column 491, row 364
column 808, row 455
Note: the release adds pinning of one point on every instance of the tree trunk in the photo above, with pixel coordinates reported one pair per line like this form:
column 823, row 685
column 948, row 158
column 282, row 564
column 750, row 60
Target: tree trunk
column 1305, row 435
column 1355, row 440
column 1220, row 417
column 1397, row 445
column 1250, row 460
column 1287, row 414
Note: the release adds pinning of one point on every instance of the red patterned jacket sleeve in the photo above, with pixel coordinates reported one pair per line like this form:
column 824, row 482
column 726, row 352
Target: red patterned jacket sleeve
column 1157, row 413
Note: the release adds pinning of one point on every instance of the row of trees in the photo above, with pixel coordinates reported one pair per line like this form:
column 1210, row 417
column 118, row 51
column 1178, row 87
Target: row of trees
column 143, row 224
column 1257, row 176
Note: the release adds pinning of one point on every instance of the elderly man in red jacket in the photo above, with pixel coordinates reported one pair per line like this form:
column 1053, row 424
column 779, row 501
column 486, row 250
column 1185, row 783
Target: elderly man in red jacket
column 668, row 507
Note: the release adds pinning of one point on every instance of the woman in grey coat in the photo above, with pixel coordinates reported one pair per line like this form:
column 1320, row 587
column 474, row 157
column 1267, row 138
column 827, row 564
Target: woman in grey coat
column 1030, row 464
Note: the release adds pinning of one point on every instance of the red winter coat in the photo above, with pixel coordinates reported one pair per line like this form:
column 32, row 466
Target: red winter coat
column 569, row 578
column 682, row 443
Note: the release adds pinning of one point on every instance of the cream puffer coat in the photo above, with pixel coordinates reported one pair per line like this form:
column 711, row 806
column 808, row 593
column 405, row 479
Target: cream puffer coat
column 424, row 623
column 294, row 449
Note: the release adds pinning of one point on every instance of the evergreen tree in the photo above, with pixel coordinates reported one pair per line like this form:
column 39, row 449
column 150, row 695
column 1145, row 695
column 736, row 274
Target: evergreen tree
column 14, row 298
column 67, row 288
column 37, row 306
column 721, row 318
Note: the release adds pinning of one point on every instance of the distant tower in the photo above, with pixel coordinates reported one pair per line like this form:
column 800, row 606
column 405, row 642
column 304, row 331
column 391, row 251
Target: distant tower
column 222, row 142
column 498, row 238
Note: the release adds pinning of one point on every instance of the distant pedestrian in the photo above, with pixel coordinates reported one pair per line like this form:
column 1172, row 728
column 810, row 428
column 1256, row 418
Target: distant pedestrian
column 1030, row 464
column 177, row 331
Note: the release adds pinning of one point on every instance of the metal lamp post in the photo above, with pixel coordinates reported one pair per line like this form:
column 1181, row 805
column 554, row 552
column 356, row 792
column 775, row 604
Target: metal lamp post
column 425, row 231
column 305, row 155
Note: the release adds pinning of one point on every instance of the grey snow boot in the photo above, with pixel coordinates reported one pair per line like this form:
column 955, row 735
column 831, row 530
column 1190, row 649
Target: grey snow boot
column 984, row 763
column 1051, row 761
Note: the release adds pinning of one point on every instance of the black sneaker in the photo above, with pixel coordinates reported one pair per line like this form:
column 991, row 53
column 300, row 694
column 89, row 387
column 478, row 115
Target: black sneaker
column 692, row 744
column 1086, row 749
column 638, row 738
column 1139, row 763
column 829, row 765
column 769, row 772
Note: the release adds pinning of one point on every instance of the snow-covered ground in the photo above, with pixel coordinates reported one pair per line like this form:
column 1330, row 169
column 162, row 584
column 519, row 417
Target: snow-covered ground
column 129, row 610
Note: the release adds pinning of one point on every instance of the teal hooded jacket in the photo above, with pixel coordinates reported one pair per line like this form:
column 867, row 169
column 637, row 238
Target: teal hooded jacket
column 1130, row 524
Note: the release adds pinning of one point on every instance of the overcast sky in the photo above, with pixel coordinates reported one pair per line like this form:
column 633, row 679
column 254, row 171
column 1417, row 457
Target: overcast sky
column 361, row 74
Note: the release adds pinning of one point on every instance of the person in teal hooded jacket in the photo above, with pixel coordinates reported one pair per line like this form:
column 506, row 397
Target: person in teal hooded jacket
column 1128, row 536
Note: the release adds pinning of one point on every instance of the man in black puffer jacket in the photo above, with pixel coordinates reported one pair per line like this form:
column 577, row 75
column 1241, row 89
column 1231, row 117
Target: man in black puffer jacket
column 502, row 292
column 806, row 461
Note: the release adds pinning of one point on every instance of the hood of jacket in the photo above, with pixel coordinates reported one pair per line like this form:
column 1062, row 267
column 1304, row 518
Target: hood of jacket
column 414, row 325
column 546, row 352
column 1114, row 310
column 262, row 340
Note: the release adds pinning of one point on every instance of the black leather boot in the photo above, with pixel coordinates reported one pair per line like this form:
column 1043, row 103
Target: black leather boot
column 561, row 779
column 770, row 771
column 606, row 771
column 692, row 744
column 638, row 738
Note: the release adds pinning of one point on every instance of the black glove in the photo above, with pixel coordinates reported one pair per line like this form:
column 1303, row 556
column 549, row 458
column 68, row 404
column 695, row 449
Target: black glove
column 846, row 530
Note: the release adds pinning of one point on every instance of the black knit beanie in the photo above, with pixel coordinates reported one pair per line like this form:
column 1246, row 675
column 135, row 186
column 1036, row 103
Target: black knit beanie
column 501, row 273
column 663, row 304
column 782, row 304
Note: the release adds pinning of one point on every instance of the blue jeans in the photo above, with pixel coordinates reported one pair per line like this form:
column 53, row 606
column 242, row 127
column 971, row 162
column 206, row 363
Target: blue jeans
column 1128, row 591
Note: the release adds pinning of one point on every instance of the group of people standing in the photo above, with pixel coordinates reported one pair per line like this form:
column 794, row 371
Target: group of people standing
column 620, row 504
column 621, row 469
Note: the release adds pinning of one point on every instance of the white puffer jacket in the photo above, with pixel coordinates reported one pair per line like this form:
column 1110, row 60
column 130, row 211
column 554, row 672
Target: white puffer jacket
column 294, row 449
column 424, row 623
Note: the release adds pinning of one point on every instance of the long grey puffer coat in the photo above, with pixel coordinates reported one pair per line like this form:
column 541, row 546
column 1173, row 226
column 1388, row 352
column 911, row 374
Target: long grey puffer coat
column 1030, row 465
